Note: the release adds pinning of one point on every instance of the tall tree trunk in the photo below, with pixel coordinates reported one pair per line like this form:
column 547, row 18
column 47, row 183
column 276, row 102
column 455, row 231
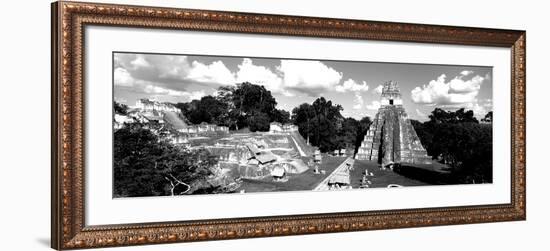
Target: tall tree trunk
column 307, row 130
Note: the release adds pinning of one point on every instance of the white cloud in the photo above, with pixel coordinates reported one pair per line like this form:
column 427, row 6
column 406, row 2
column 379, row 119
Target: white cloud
column 122, row 77
column 351, row 85
column 285, row 106
column 479, row 110
column 157, row 66
column 261, row 75
column 172, row 67
column 216, row 73
column 145, row 73
column 487, row 103
column 289, row 78
column 196, row 95
column 157, row 90
column 121, row 100
column 378, row 89
column 140, row 62
column 356, row 114
column 421, row 114
column 358, row 101
column 466, row 73
column 293, row 76
column 152, row 89
column 309, row 77
column 458, row 85
column 168, row 71
column 374, row 105
column 479, row 107
column 456, row 91
column 172, row 71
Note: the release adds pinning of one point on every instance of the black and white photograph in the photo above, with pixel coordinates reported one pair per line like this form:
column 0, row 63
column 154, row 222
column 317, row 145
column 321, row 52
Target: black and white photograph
column 275, row 125
column 210, row 124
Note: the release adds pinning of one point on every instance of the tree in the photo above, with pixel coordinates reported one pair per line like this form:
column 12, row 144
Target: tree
column 459, row 116
column 303, row 116
column 225, row 95
column 246, row 100
column 233, row 106
column 328, row 119
column 423, row 131
column 319, row 123
column 281, row 116
column 347, row 135
column 144, row 165
column 119, row 108
column 488, row 117
column 209, row 110
column 180, row 170
column 459, row 141
column 258, row 121
column 249, row 98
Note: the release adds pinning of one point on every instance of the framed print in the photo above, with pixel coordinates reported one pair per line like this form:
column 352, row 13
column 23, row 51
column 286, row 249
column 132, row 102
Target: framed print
column 175, row 125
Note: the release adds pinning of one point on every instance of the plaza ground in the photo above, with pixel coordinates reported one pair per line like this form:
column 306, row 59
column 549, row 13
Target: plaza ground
column 407, row 175
column 296, row 182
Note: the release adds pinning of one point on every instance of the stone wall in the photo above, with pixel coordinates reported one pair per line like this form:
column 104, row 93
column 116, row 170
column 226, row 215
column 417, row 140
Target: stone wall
column 149, row 105
column 391, row 139
column 275, row 127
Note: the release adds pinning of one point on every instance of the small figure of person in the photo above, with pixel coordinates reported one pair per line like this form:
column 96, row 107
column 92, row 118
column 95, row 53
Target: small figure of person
column 364, row 180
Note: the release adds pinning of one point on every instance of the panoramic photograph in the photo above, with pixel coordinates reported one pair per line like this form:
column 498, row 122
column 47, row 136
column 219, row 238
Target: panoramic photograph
column 202, row 124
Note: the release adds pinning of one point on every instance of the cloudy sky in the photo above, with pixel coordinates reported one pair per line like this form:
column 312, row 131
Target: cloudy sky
column 354, row 85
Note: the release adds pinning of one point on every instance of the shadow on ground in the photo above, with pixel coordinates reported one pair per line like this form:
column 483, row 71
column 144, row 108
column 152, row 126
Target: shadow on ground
column 44, row 241
column 435, row 174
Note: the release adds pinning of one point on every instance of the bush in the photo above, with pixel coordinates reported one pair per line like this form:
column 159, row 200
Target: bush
column 144, row 165
column 466, row 147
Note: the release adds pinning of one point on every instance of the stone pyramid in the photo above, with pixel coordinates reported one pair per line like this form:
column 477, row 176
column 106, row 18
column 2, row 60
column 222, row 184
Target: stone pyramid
column 391, row 137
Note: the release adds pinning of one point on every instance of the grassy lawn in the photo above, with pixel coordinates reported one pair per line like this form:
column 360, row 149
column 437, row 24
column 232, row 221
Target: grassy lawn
column 296, row 182
column 381, row 178
column 412, row 175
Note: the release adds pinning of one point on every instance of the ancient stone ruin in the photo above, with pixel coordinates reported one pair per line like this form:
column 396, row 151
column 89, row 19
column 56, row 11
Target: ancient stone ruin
column 391, row 138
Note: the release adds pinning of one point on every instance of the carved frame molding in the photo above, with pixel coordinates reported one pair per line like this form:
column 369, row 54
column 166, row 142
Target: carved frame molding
column 68, row 22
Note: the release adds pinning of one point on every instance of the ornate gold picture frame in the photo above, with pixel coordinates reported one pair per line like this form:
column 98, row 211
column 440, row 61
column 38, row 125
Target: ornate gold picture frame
column 69, row 20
